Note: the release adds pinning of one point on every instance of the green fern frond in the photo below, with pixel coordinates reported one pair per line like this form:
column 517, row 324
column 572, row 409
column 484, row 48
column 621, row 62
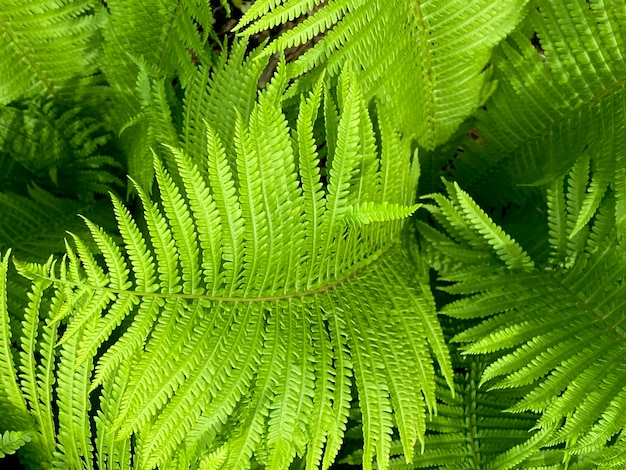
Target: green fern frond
column 47, row 47
column 150, row 51
column 239, row 308
column 424, row 60
column 61, row 145
column 474, row 429
column 231, row 91
column 557, row 328
column 555, row 106
column 169, row 36
column 12, row 400
column 369, row 212
column 464, row 220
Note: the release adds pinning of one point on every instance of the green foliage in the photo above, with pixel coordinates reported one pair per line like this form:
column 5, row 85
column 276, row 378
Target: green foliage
column 557, row 326
column 561, row 95
column 11, row 441
column 254, row 281
column 437, row 50
column 48, row 47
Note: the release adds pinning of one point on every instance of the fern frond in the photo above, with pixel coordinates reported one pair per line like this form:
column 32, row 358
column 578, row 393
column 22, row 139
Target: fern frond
column 150, row 50
column 423, row 60
column 226, row 300
column 555, row 106
column 216, row 96
column 59, row 142
column 47, row 46
column 11, row 441
column 34, row 226
column 12, row 399
column 170, row 36
column 558, row 328
column 464, row 220
column 148, row 122
column 369, row 212
column 472, row 428
column 74, row 447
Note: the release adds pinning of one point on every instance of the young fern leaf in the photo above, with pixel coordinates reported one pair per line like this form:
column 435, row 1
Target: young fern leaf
column 437, row 51
column 252, row 302
column 557, row 329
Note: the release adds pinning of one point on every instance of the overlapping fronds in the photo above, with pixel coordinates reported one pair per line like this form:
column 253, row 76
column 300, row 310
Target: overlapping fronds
column 258, row 296
column 35, row 226
column 558, row 328
column 47, row 47
column 214, row 95
column 423, row 59
column 150, row 49
column 561, row 95
column 473, row 429
column 217, row 96
column 169, row 36
column 26, row 352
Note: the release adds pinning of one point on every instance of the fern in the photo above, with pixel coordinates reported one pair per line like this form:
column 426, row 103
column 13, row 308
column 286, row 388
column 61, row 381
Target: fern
column 47, row 47
column 473, row 429
column 34, row 227
column 244, row 276
column 557, row 327
column 561, row 89
column 11, row 441
column 261, row 294
column 152, row 45
column 424, row 60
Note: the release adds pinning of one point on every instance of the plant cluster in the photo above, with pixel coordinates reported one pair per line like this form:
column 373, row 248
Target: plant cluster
column 328, row 234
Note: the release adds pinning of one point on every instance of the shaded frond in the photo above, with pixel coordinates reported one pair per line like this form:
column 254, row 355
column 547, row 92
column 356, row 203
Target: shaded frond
column 169, row 36
column 11, row 441
column 150, row 50
column 35, row 227
column 560, row 99
column 473, row 429
column 464, row 220
column 557, row 328
column 61, row 144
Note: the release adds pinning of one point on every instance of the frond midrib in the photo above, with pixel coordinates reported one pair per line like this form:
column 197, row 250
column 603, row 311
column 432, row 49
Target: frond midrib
column 373, row 260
